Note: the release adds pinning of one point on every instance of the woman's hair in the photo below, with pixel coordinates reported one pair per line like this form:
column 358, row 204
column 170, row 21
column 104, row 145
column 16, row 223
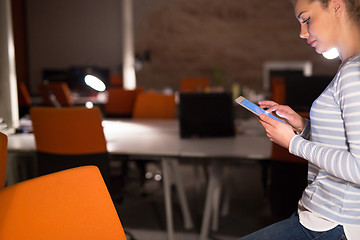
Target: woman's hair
column 352, row 7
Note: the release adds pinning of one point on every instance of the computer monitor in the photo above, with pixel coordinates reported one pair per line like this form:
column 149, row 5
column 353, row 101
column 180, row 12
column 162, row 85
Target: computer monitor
column 302, row 91
column 206, row 115
column 285, row 68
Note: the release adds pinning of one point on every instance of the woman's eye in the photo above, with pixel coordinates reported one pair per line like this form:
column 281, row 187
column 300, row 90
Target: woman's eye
column 307, row 21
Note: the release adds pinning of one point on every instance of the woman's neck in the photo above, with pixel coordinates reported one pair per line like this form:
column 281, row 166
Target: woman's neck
column 349, row 41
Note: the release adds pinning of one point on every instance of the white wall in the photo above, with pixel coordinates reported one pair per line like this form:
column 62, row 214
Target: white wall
column 8, row 89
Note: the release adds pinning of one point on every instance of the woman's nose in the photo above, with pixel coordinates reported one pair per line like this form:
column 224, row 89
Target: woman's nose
column 304, row 33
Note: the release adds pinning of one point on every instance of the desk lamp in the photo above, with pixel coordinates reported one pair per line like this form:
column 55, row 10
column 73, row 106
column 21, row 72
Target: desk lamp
column 95, row 83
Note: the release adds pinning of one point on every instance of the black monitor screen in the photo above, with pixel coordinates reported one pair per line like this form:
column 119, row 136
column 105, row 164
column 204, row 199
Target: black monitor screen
column 206, row 115
column 302, row 91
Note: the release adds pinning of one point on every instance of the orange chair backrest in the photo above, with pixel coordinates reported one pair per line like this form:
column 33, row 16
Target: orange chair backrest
column 60, row 90
column 23, row 95
column 3, row 158
column 72, row 204
column 62, row 93
column 278, row 90
column 121, row 101
column 154, row 105
column 72, row 130
column 44, row 95
column 278, row 93
column 194, row 84
column 116, row 80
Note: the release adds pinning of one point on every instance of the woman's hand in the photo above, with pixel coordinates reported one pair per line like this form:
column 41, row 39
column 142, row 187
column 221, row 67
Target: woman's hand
column 278, row 132
column 286, row 113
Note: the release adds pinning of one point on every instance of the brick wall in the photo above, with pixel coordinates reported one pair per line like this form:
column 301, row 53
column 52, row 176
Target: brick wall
column 235, row 36
column 184, row 38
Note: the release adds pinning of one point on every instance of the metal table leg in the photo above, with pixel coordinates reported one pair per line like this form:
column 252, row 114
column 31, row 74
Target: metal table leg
column 214, row 181
column 188, row 223
column 167, row 194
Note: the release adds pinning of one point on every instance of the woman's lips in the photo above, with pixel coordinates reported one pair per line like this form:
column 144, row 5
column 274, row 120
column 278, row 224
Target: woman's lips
column 311, row 43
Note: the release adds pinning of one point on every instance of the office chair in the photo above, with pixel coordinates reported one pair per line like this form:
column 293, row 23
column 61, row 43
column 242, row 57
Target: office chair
column 193, row 84
column 154, row 105
column 73, row 204
column 151, row 105
column 56, row 94
column 3, row 159
column 288, row 173
column 24, row 99
column 116, row 81
column 69, row 137
column 121, row 102
column 278, row 95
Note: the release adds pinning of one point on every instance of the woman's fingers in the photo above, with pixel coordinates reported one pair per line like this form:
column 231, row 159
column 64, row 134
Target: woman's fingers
column 267, row 104
column 277, row 132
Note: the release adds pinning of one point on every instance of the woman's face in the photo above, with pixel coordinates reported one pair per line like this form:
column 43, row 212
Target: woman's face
column 318, row 24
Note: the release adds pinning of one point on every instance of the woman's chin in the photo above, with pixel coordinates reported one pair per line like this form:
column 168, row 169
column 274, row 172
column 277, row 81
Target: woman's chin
column 319, row 51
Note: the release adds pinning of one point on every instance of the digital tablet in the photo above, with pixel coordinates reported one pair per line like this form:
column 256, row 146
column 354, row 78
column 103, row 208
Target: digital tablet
column 254, row 108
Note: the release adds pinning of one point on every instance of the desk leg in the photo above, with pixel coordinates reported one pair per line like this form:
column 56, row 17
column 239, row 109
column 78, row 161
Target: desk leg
column 214, row 181
column 167, row 194
column 17, row 165
column 12, row 174
column 188, row 223
column 216, row 205
column 227, row 191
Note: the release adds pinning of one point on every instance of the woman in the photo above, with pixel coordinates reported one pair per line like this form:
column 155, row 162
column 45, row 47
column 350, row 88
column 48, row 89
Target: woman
column 330, row 205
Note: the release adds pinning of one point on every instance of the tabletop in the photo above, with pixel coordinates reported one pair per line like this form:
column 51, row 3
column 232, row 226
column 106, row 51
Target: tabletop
column 155, row 137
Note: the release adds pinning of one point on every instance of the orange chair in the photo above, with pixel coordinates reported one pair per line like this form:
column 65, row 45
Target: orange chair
column 46, row 95
column 24, row 99
column 121, row 102
column 69, row 137
column 58, row 90
column 288, row 173
column 278, row 94
column 116, row 81
column 3, row 159
column 73, row 204
column 23, row 95
column 154, row 105
column 194, row 84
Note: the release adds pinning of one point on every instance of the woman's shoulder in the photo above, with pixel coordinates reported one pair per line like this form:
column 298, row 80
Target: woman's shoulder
column 352, row 63
column 348, row 75
column 350, row 68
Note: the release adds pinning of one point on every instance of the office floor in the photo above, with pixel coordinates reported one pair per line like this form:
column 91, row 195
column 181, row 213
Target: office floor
column 143, row 216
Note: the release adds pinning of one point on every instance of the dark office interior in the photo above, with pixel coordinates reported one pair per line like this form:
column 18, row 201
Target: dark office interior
column 227, row 42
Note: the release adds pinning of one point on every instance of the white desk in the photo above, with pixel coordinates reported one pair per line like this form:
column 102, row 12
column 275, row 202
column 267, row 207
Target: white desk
column 161, row 138
column 251, row 144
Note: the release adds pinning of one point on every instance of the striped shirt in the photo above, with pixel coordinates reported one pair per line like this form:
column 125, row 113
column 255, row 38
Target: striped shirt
column 331, row 144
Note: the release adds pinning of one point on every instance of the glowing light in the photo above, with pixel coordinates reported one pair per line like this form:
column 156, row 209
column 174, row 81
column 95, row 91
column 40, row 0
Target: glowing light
column 331, row 54
column 95, row 83
column 89, row 105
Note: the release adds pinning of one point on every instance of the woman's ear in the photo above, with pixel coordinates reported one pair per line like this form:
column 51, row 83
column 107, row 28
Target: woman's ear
column 337, row 6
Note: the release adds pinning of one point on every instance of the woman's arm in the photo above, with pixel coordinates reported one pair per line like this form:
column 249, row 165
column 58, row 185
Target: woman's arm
column 340, row 160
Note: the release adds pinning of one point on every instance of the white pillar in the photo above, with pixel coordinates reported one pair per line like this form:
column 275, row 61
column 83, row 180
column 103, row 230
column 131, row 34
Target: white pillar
column 8, row 87
column 129, row 78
